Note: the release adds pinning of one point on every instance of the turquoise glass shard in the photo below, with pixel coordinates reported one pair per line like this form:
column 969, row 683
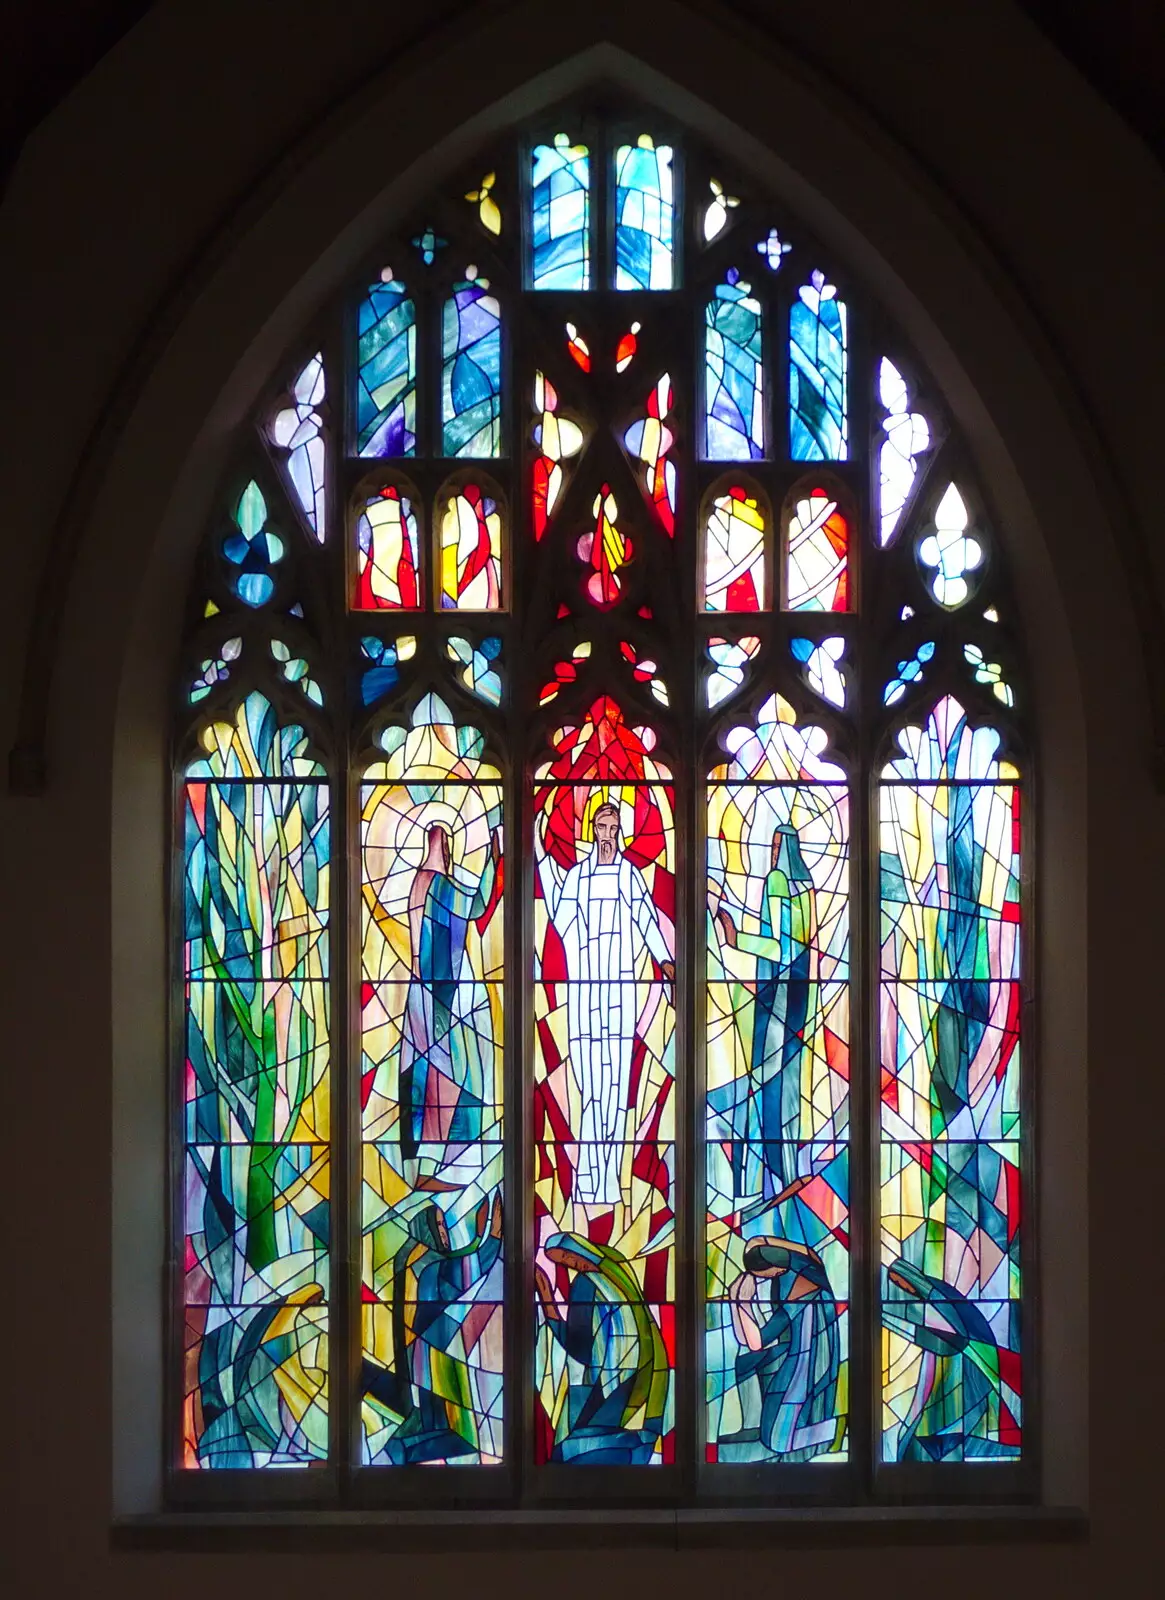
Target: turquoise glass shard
column 214, row 670
column 818, row 418
column 471, row 373
column 990, row 673
column 820, row 663
column 427, row 244
column 733, row 374
column 480, row 673
column 560, row 201
column 644, row 215
column 296, row 669
column 385, row 656
column 254, row 550
column 907, row 673
column 386, row 359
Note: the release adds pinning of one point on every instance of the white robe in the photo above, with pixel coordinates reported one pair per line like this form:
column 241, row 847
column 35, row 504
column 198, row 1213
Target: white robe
column 608, row 925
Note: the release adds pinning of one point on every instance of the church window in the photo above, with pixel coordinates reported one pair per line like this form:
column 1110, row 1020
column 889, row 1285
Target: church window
column 599, row 944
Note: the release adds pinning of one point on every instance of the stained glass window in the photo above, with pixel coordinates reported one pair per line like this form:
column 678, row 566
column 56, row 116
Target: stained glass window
column 950, row 553
column 471, row 549
column 643, row 215
column 256, row 1106
column 818, row 385
column 604, row 1069
column 734, row 397
column 386, row 370
column 253, row 551
column 594, row 1159
column 949, row 812
column 820, row 666
column 817, row 555
column 432, row 966
column 729, row 658
column 604, row 549
column 907, row 436
column 557, row 439
column 560, row 181
column 388, row 553
column 777, row 1162
column 471, row 378
column 298, row 428
column 651, row 439
column 734, row 553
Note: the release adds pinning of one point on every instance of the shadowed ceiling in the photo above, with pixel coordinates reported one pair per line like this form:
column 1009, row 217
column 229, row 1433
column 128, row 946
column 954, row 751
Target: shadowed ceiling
column 50, row 45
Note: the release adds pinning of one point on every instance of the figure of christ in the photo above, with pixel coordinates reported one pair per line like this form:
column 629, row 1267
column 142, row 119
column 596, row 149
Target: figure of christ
column 446, row 1041
column 766, row 1119
column 604, row 915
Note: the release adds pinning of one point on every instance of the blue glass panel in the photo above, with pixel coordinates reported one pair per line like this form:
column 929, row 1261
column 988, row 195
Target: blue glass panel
column 385, row 656
column 386, row 384
column 427, row 244
column 644, row 213
column 254, row 550
column 908, row 672
column 471, row 374
column 818, row 421
column 480, row 663
column 734, row 378
column 560, row 185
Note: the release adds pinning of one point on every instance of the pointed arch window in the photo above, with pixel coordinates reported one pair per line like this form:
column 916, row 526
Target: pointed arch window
column 600, row 939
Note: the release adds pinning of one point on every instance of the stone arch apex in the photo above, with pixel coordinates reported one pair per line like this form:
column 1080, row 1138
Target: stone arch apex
column 661, row 64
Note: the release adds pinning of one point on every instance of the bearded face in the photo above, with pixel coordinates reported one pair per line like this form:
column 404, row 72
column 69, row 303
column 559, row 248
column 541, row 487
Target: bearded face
column 606, row 826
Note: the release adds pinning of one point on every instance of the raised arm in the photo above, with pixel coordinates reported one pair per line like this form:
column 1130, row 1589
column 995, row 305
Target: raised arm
column 471, row 900
column 550, row 880
column 790, row 916
column 742, row 1298
column 647, row 920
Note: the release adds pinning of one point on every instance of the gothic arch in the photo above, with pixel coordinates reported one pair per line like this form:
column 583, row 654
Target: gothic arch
column 195, row 390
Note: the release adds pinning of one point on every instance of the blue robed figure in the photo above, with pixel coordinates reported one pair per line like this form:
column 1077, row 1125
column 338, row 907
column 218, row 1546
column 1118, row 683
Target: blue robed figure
column 447, row 1038
column 793, row 1356
column 764, row 1110
column 958, row 1375
column 435, row 1288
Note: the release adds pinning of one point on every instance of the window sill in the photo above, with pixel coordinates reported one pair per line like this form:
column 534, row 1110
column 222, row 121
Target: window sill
column 687, row 1529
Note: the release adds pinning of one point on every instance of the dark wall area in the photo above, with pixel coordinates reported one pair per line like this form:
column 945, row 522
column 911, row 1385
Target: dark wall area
column 183, row 184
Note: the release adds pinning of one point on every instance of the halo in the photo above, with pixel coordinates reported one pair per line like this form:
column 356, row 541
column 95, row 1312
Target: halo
column 613, row 795
column 397, row 837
